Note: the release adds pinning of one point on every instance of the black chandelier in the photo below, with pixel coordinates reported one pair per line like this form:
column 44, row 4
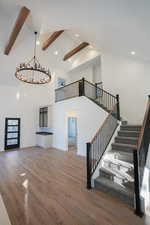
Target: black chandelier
column 32, row 72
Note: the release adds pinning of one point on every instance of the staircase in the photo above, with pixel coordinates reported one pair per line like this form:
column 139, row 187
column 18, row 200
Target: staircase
column 116, row 176
column 122, row 168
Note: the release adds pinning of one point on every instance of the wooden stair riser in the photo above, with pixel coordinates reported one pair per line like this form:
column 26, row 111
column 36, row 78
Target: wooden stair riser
column 131, row 128
column 128, row 134
column 121, row 148
column 126, row 140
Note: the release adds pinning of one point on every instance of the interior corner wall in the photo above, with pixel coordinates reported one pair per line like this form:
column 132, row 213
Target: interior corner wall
column 89, row 119
column 90, row 70
column 130, row 79
column 87, row 73
column 97, row 72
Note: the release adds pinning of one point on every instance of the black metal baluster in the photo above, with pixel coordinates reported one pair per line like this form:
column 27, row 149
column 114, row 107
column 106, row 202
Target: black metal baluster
column 93, row 155
column 138, row 210
column 88, row 166
column 118, row 107
column 109, row 102
column 92, row 148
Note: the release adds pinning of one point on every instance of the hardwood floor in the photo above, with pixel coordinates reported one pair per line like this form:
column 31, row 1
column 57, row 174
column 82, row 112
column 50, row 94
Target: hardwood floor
column 48, row 187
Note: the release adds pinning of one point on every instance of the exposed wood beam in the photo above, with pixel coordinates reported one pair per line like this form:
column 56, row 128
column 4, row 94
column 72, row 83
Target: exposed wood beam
column 75, row 50
column 23, row 14
column 51, row 39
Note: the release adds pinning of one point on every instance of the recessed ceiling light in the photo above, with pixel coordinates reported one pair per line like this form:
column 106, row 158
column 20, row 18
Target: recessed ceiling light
column 132, row 53
column 56, row 53
column 77, row 35
column 37, row 42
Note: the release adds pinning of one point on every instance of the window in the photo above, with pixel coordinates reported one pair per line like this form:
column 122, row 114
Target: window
column 43, row 117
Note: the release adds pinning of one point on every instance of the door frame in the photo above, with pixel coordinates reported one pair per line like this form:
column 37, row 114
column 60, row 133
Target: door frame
column 8, row 147
column 68, row 130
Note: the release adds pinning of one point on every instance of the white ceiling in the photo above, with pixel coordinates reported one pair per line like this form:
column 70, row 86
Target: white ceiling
column 115, row 26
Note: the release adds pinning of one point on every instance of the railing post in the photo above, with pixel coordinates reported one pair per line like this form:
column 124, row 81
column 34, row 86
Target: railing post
column 88, row 165
column 118, row 107
column 138, row 209
column 96, row 90
column 82, row 87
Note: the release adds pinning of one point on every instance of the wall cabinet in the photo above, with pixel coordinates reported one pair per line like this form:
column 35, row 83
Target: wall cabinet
column 44, row 140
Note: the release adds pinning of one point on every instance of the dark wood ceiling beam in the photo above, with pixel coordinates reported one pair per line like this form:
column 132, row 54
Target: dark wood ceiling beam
column 75, row 50
column 51, row 39
column 23, row 14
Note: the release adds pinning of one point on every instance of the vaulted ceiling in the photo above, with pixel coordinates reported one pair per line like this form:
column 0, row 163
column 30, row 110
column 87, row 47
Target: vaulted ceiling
column 118, row 27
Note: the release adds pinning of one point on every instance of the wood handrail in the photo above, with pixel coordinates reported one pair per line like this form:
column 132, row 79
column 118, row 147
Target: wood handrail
column 87, row 82
column 90, row 83
column 68, row 85
column 143, row 125
column 98, row 83
column 105, row 121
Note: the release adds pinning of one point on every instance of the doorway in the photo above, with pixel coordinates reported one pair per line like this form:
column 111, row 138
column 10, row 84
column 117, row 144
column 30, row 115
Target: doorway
column 12, row 133
column 72, row 134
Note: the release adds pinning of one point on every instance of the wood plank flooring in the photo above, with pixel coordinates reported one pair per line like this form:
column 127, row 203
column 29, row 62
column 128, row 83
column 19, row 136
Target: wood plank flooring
column 48, row 187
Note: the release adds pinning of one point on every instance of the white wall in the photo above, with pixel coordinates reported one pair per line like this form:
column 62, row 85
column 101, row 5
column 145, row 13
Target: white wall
column 130, row 79
column 89, row 119
column 87, row 73
column 23, row 102
column 97, row 76
column 90, row 70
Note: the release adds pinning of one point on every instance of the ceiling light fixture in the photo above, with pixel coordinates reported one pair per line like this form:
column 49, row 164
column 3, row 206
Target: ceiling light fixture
column 33, row 72
column 77, row 35
column 56, row 53
column 37, row 42
column 132, row 53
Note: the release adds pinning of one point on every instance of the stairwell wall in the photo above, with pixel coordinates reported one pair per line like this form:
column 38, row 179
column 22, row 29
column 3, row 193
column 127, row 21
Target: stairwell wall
column 130, row 78
column 90, row 70
column 89, row 119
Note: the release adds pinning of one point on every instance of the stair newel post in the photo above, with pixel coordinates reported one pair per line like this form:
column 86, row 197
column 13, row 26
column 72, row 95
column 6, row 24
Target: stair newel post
column 138, row 209
column 88, row 165
column 118, row 107
column 82, row 87
column 96, row 90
